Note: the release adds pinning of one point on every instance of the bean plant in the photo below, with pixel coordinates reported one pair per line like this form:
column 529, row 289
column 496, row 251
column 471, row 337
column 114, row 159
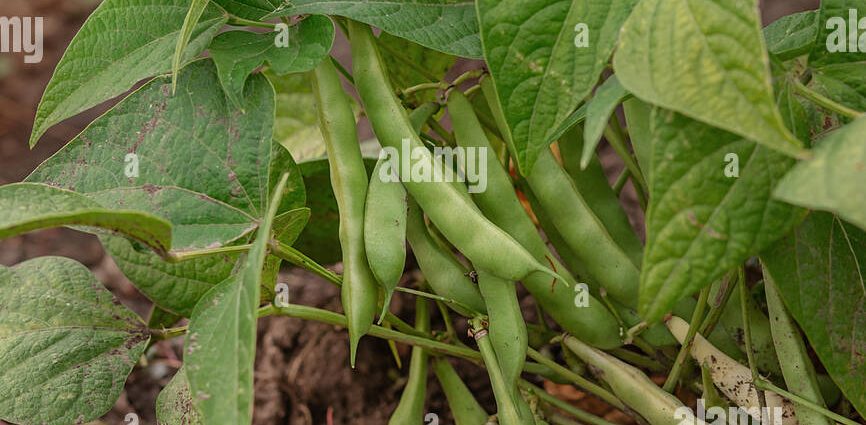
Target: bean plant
column 741, row 149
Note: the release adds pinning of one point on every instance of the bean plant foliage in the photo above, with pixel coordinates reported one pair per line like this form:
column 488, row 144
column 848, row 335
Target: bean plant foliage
column 231, row 150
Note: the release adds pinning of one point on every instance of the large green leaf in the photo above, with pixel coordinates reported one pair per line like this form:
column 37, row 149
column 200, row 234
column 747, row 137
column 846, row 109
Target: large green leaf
column 833, row 179
column 540, row 74
column 32, row 206
column 705, row 59
column 122, row 42
column 220, row 347
column 66, row 344
column 701, row 223
column 196, row 141
column 198, row 221
column 238, row 53
column 449, row 26
column 174, row 404
column 820, row 272
column 836, row 29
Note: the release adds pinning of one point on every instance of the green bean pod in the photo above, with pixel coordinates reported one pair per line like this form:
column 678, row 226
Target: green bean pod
column 420, row 115
column 385, row 232
column 443, row 272
column 577, row 224
column 349, row 180
column 633, row 387
column 453, row 212
column 797, row 368
column 410, row 409
column 594, row 187
column 592, row 323
column 464, row 406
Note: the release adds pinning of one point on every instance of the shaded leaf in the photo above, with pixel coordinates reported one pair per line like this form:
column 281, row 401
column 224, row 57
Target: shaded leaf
column 174, row 405
column 598, row 112
column 66, row 344
column 33, row 206
column 541, row 74
column 708, row 62
column 836, row 29
column 820, row 272
column 249, row 9
column 122, row 42
column 434, row 63
column 238, row 53
column 833, row 179
column 792, row 35
column 448, row 26
column 844, row 83
column 700, row 222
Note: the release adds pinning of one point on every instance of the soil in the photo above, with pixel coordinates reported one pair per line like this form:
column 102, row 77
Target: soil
column 302, row 373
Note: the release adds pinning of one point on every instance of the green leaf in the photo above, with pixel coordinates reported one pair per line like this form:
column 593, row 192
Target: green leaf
column 833, row 179
column 198, row 221
column 433, row 63
column 289, row 225
column 123, row 42
column 193, row 15
column 637, row 116
column 238, row 53
column 820, row 271
column 33, row 206
column 175, row 287
column 66, row 344
column 598, row 112
column 701, row 223
column 835, row 31
column 708, row 62
column 844, row 83
column 174, row 405
column 792, row 35
column 541, row 74
column 220, row 347
column 249, row 9
column 449, row 26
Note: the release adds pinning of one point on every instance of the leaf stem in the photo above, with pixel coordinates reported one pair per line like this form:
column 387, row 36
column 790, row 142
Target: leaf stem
column 176, row 257
column 342, row 70
column 686, row 348
column 581, row 415
column 825, row 102
column 747, row 331
column 575, row 378
column 436, row 298
column 292, row 255
column 237, row 21
column 621, row 180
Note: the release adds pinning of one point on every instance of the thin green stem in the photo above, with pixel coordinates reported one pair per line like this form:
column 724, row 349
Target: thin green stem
column 441, row 131
column 468, row 75
column 575, row 378
column 580, row 415
column 638, row 359
column 747, row 330
column 436, row 298
column 176, row 257
column 620, row 182
column 292, row 255
column 619, row 145
column 686, row 348
column 169, row 333
column 825, row 102
column 765, row 385
column 422, row 87
column 718, row 306
column 236, row 21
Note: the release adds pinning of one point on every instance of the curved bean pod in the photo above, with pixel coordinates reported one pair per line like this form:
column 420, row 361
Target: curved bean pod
column 464, row 406
column 349, row 180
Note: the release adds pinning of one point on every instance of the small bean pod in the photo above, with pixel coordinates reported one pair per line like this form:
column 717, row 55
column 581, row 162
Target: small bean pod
column 453, row 212
column 464, row 406
column 349, row 181
column 410, row 409
column 593, row 323
column 443, row 272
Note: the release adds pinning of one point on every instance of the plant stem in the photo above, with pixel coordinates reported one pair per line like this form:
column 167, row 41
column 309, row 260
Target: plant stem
column 468, row 75
column 292, row 255
column 423, row 86
column 765, row 385
column 342, row 70
column 575, row 378
column 441, row 131
column 169, row 333
column 718, row 307
column 436, row 298
column 686, row 348
column 176, row 257
column 241, row 22
column 638, row 359
column 618, row 144
column 561, row 405
column 824, row 101
column 621, row 180
column 747, row 330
